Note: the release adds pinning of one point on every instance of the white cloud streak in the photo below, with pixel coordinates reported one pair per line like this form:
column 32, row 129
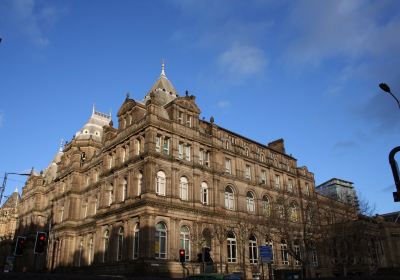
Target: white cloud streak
column 241, row 61
column 29, row 20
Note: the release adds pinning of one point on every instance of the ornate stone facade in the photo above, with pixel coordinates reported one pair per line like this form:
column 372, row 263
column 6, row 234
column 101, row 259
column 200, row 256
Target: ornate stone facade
column 125, row 199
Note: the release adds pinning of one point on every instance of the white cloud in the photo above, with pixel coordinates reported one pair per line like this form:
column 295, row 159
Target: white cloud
column 240, row 61
column 29, row 19
column 351, row 29
column 223, row 104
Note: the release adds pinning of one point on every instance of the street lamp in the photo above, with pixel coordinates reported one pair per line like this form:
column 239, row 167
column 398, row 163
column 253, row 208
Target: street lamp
column 392, row 160
column 386, row 88
column 3, row 186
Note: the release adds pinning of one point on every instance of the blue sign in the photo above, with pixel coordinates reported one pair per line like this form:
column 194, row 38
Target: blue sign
column 266, row 253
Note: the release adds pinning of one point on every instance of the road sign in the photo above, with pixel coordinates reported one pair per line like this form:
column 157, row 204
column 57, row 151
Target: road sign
column 266, row 253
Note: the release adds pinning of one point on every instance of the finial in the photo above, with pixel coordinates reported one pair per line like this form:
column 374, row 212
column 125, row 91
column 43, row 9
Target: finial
column 16, row 189
column 163, row 68
column 93, row 109
column 212, row 119
column 127, row 95
column 187, row 93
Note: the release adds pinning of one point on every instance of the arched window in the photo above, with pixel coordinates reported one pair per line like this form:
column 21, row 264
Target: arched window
column 124, row 189
column 183, row 188
column 250, row 202
column 106, row 243
column 262, row 158
column 161, row 241
column 266, row 206
column 185, row 241
column 231, row 247
column 247, row 151
column 111, row 161
column 136, row 232
column 120, row 248
column 294, row 215
column 160, row 183
column 139, row 183
column 253, row 252
column 137, row 146
column 204, row 193
column 123, row 154
column 229, row 198
column 269, row 242
column 90, row 253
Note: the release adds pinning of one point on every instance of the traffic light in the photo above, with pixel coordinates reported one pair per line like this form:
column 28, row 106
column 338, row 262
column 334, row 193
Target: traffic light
column 182, row 257
column 40, row 244
column 20, row 246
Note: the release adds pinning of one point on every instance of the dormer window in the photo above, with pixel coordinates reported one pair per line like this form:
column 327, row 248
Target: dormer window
column 180, row 117
column 189, row 121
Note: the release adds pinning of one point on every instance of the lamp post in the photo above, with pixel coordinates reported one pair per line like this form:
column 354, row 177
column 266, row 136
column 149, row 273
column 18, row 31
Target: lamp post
column 392, row 160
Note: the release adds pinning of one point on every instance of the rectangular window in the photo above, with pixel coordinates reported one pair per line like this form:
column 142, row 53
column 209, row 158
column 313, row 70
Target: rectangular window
column 290, row 185
column 228, row 166
column 201, row 157
column 248, row 172
column 158, row 143
column 166, row 146
column 207, row 158
column 180, row 117
column 263, row 177
column 187, row 152
column 180, row 150
column 307, row 189
column 314, row 257
column 189, row 121
column 284, row 254
column 277, row 182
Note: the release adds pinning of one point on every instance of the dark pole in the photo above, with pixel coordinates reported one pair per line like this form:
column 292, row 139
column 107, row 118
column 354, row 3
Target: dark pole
column 392, row 160
column 3, row 186
column 395, row 171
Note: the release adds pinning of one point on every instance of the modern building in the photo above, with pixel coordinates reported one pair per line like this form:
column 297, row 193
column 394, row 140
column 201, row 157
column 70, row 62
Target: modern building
column 340, row 190
column 125, row 199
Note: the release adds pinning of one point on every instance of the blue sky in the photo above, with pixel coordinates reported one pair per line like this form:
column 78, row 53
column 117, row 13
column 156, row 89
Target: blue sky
column 305, row 71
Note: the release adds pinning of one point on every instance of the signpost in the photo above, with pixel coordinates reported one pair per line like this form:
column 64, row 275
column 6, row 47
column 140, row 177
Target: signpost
column 266, row 255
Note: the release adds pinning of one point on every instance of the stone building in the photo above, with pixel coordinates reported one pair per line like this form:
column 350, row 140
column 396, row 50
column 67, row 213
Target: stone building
column 8, row 224
column 125, row 199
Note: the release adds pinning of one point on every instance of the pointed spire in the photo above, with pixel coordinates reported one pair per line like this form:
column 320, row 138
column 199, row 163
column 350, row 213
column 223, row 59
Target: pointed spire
column 163, row 69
